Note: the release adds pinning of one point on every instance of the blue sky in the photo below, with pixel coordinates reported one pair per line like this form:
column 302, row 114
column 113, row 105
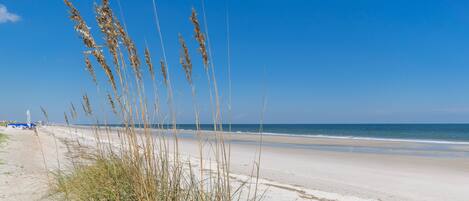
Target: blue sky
column 317, row 61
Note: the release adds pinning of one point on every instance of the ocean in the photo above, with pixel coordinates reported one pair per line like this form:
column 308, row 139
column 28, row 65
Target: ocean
column 436, row 133
column 436, row 140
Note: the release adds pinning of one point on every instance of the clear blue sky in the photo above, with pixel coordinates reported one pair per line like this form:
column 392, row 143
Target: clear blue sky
column 363, row 61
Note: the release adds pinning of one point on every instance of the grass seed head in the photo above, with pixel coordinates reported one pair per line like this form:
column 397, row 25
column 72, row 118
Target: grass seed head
column 111, row 102
column 164, row 72
column 149, row 63
column 66, row 118
column 185, row 59
column 98, row 54
column 90, row 69
column 44, row 112
column 80, row 26
column 199, row 36
column 105, row 18
column 73, row 111
column 86, row 105
column 131, row 48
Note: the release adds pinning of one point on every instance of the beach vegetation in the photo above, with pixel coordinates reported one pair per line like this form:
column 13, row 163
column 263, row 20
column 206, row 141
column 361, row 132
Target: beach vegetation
column 3, row 138
column 5, row 123
column 136, row 163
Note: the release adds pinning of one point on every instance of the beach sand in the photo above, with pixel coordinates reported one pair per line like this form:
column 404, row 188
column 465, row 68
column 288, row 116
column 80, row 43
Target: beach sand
column 294, row 168
column 371, row 169
column 23, row 176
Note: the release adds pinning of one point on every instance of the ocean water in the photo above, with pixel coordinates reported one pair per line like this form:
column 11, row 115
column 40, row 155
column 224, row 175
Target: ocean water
column 431, row 140
column 437, row 133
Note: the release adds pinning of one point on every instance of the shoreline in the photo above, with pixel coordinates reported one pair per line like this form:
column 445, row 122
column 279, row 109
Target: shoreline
column 326, row 136
column 333, row 144
column 430, row 141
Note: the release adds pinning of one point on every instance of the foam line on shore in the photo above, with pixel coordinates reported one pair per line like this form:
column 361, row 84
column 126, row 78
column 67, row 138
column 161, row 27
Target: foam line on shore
column 427, row 141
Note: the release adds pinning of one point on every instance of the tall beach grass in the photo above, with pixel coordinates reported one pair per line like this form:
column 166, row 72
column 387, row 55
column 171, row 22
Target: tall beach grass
column 141, row 160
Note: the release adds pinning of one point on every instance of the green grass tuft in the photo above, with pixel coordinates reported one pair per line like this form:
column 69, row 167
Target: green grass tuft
column 3, row 138
column 105, row 179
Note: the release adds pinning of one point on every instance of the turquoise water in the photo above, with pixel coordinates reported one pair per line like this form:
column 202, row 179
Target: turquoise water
column 455, row 133
column 408, row 132
column 435, row 140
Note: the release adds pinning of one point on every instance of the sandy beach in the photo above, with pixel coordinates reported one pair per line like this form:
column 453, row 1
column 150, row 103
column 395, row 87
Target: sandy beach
column 369, row 169
column 292, row 168
column 23, row 175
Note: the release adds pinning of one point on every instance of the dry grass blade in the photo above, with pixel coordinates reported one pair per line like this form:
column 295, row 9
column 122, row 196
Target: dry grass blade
column 199, row 36
column 185, row 59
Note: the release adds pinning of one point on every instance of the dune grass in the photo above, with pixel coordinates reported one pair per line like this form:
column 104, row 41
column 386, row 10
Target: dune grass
column 105, row 179
column 3, row 138
column 136, row 164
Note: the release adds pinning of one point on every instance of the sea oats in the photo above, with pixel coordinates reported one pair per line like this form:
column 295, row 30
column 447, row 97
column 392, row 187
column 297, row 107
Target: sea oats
column 84, row 108
column 164, row 71
column 131, row 49
column 73, row 111
column 105, row 19
column 142, row 163
column 185, row 59
column 80, row 26
column 86, row 105
column 199, row 36
column 149, row 63
column 102, row 61
column 66, row 118
column 84, row 31
column 44, row 112
column 111, row 102
column 90, row 69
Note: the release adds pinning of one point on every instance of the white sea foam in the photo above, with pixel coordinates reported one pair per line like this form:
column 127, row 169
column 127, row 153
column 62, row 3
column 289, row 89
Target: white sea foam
column 429, row 141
